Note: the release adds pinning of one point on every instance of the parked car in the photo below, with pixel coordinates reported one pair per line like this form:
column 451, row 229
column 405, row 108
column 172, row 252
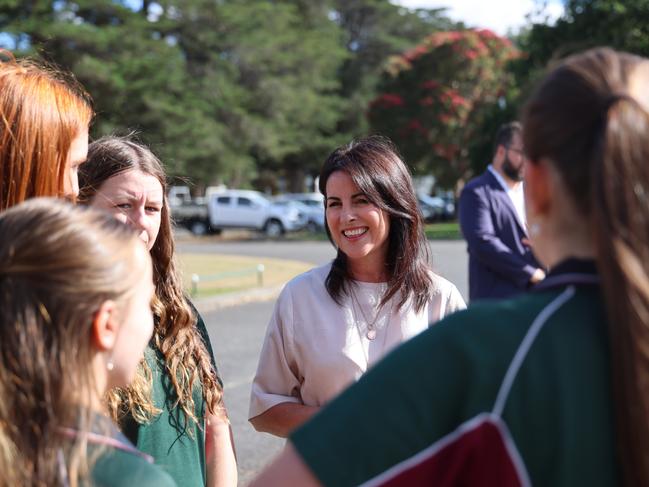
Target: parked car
column 436, row 208
column 235, row 208
column 449, row 209
column 191, row 212
column 428, row 212
column 313, row 207
column 188, row 212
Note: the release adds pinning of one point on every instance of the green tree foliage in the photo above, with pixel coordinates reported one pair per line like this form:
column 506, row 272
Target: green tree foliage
column 286, row 58
column 137, row 77
column 623, row 25
column 436, row 97
column 620, row 24
column 234, row 91
column 375, row 30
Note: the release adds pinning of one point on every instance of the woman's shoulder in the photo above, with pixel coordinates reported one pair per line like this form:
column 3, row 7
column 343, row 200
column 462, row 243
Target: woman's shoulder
column 441, row 284
column 497, row 318
column 312, row 279
column 199, row 323
column 305, row 293
column 445, row 288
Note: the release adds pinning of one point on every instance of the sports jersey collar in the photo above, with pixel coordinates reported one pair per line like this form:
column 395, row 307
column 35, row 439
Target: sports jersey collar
column 570, row 271
column 104, row 432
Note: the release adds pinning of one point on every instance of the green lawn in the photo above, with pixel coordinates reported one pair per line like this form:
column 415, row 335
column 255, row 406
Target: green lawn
column 443, row 231
column 220, row 274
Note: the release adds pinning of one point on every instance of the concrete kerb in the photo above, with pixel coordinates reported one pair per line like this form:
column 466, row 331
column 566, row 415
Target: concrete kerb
column 213, row 303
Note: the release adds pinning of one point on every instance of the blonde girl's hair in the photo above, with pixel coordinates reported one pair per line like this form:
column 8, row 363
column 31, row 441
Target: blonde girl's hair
column 42, row 109
column 58, row 264
column 176, row 336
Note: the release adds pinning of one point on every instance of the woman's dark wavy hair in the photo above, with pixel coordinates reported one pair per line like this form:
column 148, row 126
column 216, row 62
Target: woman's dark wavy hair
column 376, row 168
column 176, row 336
column 586, row 121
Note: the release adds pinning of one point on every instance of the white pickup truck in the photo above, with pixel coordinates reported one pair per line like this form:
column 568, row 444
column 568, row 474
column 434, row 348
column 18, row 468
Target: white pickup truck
column 238, row 208
column 189, row 212
column 233, row 208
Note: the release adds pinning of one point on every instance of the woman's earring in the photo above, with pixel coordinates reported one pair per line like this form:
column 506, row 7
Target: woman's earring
column 110, row 364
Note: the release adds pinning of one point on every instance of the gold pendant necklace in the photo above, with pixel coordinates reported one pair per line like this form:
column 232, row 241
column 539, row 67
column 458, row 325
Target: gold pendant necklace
column 371, row 332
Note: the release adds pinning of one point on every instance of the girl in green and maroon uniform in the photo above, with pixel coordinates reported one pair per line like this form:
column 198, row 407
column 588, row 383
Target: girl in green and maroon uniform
column 546, row 389
column 75, row 288
column 174, row 409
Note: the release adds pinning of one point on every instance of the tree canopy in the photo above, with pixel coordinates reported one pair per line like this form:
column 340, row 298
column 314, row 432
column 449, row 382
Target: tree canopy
column 435, row 97
column 234, row 91
column 258, row 92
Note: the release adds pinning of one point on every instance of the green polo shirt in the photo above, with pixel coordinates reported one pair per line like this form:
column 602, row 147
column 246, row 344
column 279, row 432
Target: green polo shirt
column 113, row 460
column 505, row 393
column 117, row 467
column 175, row 442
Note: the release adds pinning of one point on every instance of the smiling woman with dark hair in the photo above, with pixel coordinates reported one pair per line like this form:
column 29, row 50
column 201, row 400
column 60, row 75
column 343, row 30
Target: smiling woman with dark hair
column 334, row 322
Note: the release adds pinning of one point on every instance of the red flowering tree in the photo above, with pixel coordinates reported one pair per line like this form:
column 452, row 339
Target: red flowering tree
column 435, row 97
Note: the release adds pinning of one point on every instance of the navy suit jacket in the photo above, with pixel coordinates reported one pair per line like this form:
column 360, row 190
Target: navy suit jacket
column 500, row 265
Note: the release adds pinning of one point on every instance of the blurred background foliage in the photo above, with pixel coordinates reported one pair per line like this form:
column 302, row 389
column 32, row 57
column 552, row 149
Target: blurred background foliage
column 245, row 92
column 436, row 96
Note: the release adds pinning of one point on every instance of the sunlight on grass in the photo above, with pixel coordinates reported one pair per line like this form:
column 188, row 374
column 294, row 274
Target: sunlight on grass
column 231, row 273
column 443, row 231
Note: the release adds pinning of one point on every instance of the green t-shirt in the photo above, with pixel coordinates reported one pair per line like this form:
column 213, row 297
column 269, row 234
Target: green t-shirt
column 176, row 442
column 509, row 393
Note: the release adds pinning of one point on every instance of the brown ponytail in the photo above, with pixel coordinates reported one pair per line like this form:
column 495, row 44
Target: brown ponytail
column 584, row 119
column 621, row 224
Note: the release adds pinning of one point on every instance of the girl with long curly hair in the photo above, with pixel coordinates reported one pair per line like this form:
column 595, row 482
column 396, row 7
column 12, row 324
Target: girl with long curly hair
column 174, row 408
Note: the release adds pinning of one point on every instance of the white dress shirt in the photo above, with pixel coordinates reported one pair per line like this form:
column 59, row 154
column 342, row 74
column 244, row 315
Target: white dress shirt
column 516, row 195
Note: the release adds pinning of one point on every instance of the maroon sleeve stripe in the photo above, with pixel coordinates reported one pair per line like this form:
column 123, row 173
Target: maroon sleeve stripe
column 479, row 452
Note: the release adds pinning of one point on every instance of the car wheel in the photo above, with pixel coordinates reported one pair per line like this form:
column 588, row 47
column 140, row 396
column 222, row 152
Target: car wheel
column 198, row 228
column 273, row 228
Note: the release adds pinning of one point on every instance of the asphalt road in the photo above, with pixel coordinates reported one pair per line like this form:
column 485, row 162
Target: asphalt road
column 237, row 333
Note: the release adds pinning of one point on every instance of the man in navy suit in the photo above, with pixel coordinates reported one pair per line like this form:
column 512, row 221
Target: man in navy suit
column 493, row 222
